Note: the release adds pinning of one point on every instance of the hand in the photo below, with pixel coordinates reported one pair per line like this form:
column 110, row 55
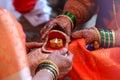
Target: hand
column 32, row 45
column 34, row 58
column 59, row 23
column 90, row 35
column 63, row 60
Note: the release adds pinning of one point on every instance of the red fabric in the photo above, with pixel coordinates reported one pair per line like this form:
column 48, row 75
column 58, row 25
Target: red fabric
column 102, row 64
column 24, row 6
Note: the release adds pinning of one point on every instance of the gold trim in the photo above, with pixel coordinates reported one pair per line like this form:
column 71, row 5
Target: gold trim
column 98, row 34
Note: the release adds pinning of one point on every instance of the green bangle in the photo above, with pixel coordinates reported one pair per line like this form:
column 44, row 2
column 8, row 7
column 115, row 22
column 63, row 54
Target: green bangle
column 111, row 38
column 102, row 34
column 107, row 39
column 48, row 66
column 71, row 16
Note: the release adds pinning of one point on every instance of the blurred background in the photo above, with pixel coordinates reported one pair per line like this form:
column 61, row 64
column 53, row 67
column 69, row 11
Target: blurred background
column 33, row 32
column 51, row 8
column 35, row 19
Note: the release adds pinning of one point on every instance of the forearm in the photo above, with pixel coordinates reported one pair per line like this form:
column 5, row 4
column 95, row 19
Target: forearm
column 82, row 9
column 117, row 38
column 43, row 75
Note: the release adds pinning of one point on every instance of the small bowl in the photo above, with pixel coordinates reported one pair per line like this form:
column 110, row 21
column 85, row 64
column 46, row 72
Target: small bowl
column 55, row 34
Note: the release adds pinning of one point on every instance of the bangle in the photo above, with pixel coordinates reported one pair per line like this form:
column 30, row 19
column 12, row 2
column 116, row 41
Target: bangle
column 113, row 34
column 102, row 34
column 52, row 63
column 71, row 16
column 50, row 66
column 98, row 34
column 67, row 18
column 107, row 38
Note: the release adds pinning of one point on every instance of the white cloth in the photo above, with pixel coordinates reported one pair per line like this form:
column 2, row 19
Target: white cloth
column 40, row 14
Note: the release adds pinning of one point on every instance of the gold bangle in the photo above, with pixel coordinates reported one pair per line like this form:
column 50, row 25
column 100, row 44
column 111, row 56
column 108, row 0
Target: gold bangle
column 98, row 34
column 67, row 18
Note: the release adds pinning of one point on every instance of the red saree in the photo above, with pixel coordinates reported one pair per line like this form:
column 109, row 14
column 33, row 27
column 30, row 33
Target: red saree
column 102, row 64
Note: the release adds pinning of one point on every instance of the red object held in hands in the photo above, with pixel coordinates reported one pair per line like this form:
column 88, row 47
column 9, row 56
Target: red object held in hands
column 55, row 40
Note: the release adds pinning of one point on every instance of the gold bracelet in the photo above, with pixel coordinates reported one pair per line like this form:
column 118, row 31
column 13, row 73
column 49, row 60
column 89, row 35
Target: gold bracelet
column 98, row 34
column 67, row 18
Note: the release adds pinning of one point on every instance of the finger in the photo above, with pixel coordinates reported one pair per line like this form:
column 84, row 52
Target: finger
column 42, row 32
column 77, row 34
column 46, row 31
column 31, row 45
column 70, row 56
column 68, row 30
column 62, row 52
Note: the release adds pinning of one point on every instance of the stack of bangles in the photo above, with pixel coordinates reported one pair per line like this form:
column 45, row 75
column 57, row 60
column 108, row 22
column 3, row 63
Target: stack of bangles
column 50, row 67
column 107, row 38
column 69, row 16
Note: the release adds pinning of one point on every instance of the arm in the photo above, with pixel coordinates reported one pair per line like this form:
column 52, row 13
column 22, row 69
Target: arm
column 82, row 9
column 105, row 38
column 117, row 38
column 43, row 75
column 76, row 12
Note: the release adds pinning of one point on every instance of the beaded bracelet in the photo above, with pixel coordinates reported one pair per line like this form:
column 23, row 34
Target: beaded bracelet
column 70, row 16
column 50, row 66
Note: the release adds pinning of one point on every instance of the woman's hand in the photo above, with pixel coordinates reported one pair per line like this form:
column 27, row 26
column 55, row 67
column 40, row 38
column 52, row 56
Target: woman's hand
column 90, row 35
column 59, row 23
column 63, row 60
column 34, row 58
column 32, row 45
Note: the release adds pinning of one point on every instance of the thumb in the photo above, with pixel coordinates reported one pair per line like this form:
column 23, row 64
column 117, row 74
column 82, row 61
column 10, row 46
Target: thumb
column 63, row 51
column 31, row 45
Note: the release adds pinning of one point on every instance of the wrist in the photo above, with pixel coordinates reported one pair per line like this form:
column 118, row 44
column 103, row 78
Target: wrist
column 70, row 17
column 50, row 67
column 44, row 74
column 117, row 38
column 107, row 38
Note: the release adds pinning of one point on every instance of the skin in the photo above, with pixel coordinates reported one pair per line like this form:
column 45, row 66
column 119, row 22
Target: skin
column 63, row 61
column 63, row 24
column 94, row 36
column 82, row 9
